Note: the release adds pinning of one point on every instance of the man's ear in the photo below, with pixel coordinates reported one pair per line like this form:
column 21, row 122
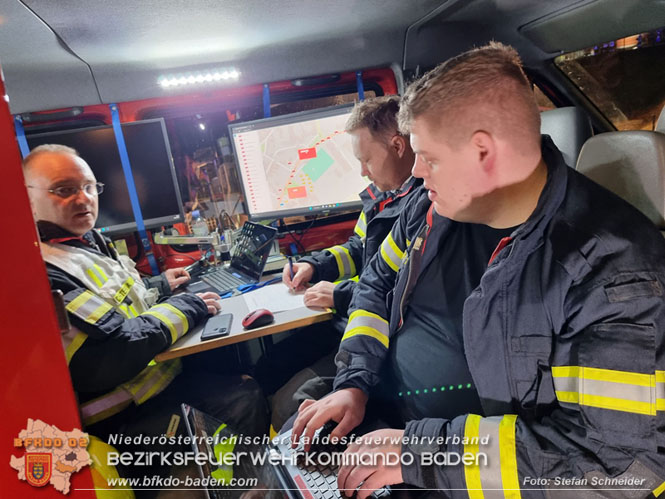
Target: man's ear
column 398, row 144
column 485, row 148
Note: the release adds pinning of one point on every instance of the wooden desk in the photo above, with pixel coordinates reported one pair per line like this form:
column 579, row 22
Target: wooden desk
column 289, row 319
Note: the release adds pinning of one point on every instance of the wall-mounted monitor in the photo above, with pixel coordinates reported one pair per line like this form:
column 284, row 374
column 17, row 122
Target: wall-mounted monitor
column 297, row 164
column 152, row 166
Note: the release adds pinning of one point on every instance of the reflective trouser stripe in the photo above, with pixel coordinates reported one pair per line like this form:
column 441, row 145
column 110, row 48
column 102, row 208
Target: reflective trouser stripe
column 145, row 385
column 391, row 253
column 499, row 478
column 660, row 391
column 172, row 318
column 97, row 274
column 367, row 324
column 105, row 406
column 74, row 345
column 607, row 389
column 160, row 377
column 345, row 265
column 361, row 226
column 659, row 490
column 88, row 307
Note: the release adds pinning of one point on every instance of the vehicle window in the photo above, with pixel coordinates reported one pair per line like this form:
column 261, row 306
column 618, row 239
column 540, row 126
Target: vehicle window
column 544, row 102
column 622, row 78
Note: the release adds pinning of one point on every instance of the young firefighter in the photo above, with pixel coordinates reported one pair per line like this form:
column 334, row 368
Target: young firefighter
column 563, row 335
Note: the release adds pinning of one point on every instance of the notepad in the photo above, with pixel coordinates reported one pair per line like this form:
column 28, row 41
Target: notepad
column 276, row 298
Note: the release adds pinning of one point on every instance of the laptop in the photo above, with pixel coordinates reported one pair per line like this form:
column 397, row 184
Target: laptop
column 282, row 474
column 248, row 259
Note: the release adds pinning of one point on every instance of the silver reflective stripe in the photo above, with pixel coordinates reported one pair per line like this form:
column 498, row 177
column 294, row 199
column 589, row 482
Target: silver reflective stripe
column 345, row 265
column 660, row 391
column 104, row 403
column 608, row 389
column 88, row 307
column 361, row 226
column 171, row 317
column 367, row 324
column 391, row 253
column 490, row 476
column 499, row 478
column 153, row 379
column 97, row 274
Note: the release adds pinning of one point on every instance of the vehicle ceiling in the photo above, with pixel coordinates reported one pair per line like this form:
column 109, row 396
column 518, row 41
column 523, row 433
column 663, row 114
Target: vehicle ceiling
column 57, row 54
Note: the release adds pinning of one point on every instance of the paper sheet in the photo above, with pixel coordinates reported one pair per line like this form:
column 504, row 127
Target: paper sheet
column 276, row 298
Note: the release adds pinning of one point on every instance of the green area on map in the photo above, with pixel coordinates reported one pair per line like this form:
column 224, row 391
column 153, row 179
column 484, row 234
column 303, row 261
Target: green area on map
column 316, row 167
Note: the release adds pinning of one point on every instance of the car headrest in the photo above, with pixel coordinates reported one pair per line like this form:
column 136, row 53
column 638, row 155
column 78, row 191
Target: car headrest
column 660, row 124
column 632, row 165
column 569, row 128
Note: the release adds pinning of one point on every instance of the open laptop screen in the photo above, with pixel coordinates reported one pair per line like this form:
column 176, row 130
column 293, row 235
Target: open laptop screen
column 251, row 249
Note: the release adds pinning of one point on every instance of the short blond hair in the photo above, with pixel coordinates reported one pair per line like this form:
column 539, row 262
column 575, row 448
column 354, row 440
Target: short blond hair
column 378, row 115
column 482, row 89
column 48, row 148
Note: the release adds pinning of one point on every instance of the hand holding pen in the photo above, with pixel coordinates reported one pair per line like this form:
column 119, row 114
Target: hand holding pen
column 297, row 275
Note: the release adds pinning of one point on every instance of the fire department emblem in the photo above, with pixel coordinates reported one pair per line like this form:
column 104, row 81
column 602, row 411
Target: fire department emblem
column 38, row 468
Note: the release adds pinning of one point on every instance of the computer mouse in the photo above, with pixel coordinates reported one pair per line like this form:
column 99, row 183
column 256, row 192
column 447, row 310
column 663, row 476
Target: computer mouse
column 258, row 318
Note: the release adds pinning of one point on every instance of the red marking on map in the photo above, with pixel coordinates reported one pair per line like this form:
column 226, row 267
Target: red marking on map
column 307, row 153
column 297, row 192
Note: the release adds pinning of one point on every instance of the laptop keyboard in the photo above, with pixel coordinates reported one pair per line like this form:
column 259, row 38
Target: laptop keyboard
column 321, row 479
column 222, row 280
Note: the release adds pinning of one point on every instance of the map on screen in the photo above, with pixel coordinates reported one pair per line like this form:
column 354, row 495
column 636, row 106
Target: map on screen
column 298, row 164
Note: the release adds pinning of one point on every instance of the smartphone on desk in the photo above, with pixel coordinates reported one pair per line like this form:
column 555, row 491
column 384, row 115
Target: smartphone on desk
column 217, row 327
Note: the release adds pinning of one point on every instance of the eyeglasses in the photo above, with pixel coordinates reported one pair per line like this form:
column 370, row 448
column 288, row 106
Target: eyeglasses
column 67, row 191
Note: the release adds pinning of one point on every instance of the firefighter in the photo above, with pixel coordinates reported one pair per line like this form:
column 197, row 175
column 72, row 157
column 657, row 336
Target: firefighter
column 118, row 323
column 562, row 332
column 385, row 158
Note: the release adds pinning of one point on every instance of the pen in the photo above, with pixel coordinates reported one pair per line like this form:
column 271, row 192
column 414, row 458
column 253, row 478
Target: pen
column 291, row 267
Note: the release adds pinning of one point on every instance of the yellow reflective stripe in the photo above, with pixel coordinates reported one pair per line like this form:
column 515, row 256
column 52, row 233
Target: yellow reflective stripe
column 94, row 277
column 367, row 324
column 509, row 476
column 472, row 471
column 73, row 347
column 603, row 375
column 124, row 309
column 166, row 321
column 97, row 274
column 99, row 313
column 101, row 271
column 88, row 307
column 178, row 314
column 367, row 331
column 391, row 253
column 608, row 389
column 603, row 402
column 161, row 383
column 345, row 265
column 133, row 311
column 79, row 301
column 361, row 225
column 659, row 490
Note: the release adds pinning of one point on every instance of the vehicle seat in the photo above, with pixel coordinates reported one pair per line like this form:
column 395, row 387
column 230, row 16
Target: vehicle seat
column 632, row 165
column 660, row 124
column 569, row 128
